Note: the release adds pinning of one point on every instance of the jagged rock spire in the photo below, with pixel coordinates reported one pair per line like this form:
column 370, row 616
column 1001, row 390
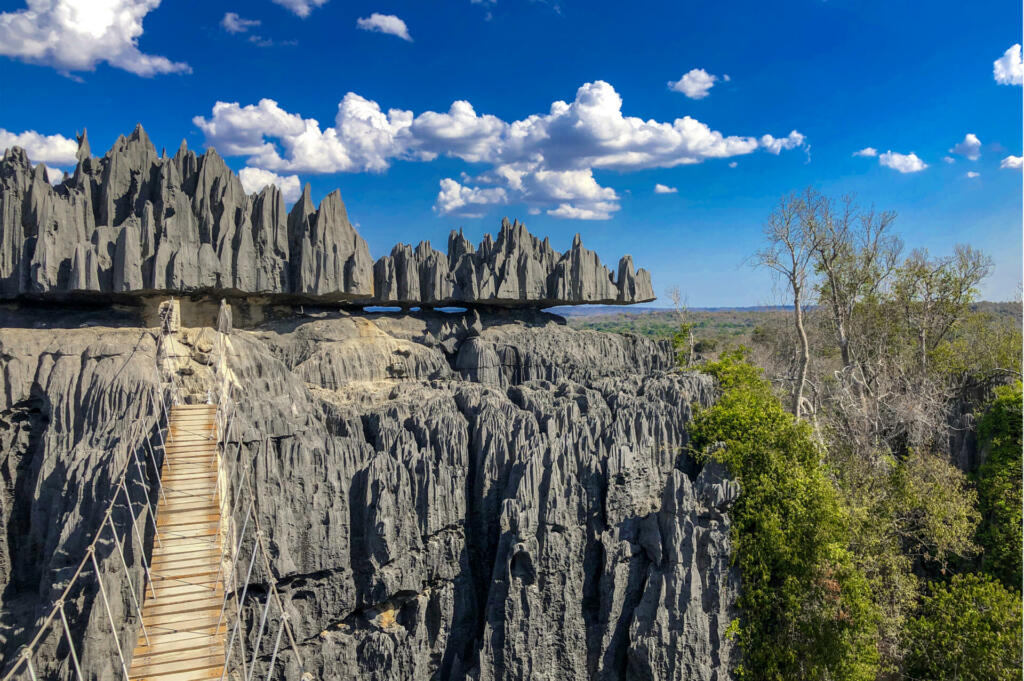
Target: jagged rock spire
column 185, row 224
column 83, row 146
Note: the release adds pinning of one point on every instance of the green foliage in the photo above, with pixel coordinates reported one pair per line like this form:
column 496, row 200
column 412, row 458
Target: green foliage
column 706, row 345
column 981, row 350
column 933, row 509
column 807, row 611
column 681, row 343
column 967, row 630
column 999, row 487
column 903, row 515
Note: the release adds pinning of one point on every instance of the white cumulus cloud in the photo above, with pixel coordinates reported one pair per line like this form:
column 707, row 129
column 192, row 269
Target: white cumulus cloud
column 385, row 23
column 255, row 179
column 1008, row 163
column 76, row 35
column 544, row 160
column 232, row 23
column 1009, row 69
column 597, row 211
column 904, row 163
column 53, row 150
column 695, row 83
column 664, row 189
column 53, row 175
column 774, row 145
column 300, row 7
column 458, row 199
column 971, row 174
column 866, row 151
column 969, row 147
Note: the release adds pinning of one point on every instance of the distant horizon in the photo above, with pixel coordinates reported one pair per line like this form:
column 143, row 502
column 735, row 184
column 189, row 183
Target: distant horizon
column 578, row 310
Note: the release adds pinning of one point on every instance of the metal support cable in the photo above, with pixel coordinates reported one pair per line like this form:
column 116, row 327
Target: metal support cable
column 226, row 422
column 234, row 632
column 142, row 558
column 259, row 639
column 24, row 661
column 159, row 476
column 277, row 645
column 149, row 506
column 234, row 555
column 138, row 535
column 28, row 663
column 71, row 643
column 128, row 576
column 110, row 614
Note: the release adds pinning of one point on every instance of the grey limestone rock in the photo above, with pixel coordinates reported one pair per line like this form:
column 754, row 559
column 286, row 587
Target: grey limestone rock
column 487, row 495
column 516, row 270
column 135, row 222
column 530, row 513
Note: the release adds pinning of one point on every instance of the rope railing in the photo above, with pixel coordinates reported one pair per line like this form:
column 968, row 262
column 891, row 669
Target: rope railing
column 56, row 618
column 240, row 484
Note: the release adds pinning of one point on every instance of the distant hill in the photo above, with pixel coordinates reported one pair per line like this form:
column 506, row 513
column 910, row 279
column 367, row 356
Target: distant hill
column 592, row 310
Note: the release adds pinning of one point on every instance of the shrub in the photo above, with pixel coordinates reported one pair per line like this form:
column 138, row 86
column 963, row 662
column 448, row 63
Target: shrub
column 806, row 611
column 999, row 487
column 967, row 630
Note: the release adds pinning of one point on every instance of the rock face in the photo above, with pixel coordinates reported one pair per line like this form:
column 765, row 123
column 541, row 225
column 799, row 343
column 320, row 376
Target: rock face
column 71, row 399
column 135, row 222
column 517, row 270
column 469, row 497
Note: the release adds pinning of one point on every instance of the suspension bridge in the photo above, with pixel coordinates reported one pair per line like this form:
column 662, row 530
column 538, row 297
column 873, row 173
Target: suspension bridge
column 188, row 603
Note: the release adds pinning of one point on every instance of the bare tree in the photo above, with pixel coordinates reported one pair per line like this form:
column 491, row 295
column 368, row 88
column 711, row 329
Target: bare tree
column 683, row 316
column 789, row 254
column 856, row 254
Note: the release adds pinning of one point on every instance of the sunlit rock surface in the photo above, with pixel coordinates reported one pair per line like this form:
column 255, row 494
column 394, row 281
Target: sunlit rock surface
column 138, row 222
column 464, row 496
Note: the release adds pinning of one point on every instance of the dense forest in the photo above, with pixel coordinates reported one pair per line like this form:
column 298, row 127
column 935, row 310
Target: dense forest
column 875, row 429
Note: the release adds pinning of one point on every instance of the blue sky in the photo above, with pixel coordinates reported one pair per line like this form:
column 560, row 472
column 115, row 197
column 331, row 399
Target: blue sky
column 822, row 79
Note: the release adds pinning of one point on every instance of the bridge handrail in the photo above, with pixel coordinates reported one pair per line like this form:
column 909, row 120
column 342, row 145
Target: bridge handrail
column 24, row 658
column 226, row 412
column 227, row 408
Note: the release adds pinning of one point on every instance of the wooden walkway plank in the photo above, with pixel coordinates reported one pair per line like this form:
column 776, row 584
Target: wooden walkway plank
column 185, row 642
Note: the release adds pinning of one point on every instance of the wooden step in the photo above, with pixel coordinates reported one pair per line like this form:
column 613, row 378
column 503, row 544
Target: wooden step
column 169, row 592
column 172, row 643
column 185, row 642
column 215, row 662
column 179, row 652
column 192, row 605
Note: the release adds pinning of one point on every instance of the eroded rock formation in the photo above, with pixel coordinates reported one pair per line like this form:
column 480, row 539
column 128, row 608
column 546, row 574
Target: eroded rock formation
column 135, row 222
column 475, row 496
column 516, row 270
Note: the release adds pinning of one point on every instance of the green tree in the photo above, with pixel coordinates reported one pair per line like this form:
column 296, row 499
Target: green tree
column 906, row 517
column 967, row 630
column 999, row 487
column 807, row 611
column 934, row 294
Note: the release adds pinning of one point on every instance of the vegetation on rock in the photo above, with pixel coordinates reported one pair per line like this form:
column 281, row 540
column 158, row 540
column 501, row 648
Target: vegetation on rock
column 968, row 630
column 807, row 609
column 878, row 529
